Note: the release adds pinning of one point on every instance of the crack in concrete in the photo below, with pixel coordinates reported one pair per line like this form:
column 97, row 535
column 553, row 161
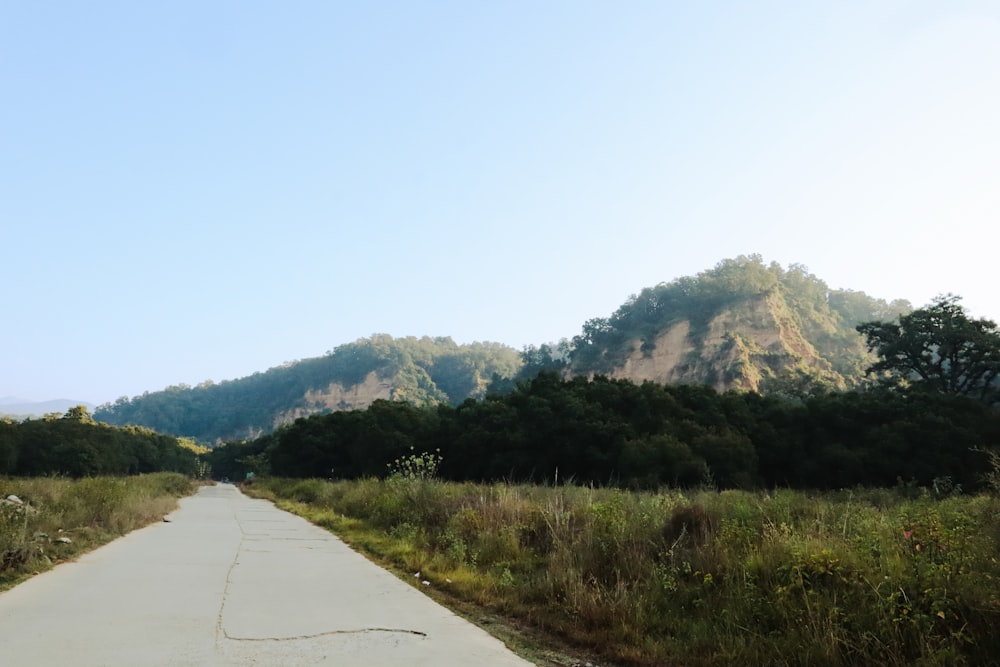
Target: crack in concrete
column 246, row 540
column 219, row 631
column 324, row 634
column 265, row 537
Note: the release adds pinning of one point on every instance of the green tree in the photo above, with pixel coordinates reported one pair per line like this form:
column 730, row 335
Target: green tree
column 939, row 348
column 80, row 414
column 9, row 445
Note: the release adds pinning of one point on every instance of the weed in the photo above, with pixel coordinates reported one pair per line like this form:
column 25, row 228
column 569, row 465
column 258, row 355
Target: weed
column 416, row 466
column 992, row 476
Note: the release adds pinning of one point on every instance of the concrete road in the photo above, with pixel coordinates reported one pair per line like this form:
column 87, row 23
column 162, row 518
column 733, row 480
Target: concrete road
column 232, row 581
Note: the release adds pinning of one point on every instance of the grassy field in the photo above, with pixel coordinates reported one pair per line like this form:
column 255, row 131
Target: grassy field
column 58, row 518
column 893, row 577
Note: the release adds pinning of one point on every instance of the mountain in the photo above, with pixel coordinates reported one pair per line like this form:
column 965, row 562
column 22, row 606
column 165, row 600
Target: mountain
column 11, row 406
column 742, row 325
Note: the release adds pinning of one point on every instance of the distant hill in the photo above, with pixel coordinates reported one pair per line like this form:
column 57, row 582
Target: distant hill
column 419, row 370
column 742, row 325
column 11, row 406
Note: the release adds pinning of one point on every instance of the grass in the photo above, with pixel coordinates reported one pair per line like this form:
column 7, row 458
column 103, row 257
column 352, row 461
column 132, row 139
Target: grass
column 893, row 577
column 62, row 518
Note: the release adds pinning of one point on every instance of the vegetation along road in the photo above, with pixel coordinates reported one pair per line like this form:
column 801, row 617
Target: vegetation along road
column 232, row 581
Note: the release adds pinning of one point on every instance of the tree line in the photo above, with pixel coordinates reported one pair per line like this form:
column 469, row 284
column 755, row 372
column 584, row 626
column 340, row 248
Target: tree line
column 615, row 432
column 77, row 446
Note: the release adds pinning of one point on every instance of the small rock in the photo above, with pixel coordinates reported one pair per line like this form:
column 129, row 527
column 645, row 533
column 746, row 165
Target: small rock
column 14, row 499
column 416, row 576
column 64, row 540
column 425, row 582
column 167, row 519
column 40, row 534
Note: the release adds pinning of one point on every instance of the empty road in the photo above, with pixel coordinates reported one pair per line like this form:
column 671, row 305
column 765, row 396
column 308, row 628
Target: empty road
column 232, row 581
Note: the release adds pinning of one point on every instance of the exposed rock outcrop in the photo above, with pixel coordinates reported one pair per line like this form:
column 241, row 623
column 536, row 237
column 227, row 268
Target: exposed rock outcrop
column 339, row 397
column 738, row 348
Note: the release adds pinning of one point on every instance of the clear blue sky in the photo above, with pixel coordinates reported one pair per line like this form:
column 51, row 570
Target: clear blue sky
column 202, row 190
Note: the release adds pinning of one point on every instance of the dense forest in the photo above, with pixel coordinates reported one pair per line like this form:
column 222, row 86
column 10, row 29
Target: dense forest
column 743, row 324
column 77, row 446
column 614, row 432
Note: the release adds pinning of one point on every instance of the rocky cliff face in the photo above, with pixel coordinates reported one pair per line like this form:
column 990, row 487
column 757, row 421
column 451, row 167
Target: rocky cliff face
column 740, row 347
column 339, row 397
column 355, row 397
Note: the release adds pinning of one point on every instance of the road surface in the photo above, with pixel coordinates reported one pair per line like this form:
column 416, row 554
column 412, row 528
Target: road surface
column 232, row 581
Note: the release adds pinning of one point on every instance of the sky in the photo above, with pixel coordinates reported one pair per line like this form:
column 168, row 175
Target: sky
column 200, row 190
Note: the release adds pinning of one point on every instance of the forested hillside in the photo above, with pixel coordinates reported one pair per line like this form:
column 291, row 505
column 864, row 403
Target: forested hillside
column 352, row 376
column 742, row 325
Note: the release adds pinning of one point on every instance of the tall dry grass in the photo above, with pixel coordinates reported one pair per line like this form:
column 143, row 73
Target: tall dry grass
column 893, row 577
column 60, row 518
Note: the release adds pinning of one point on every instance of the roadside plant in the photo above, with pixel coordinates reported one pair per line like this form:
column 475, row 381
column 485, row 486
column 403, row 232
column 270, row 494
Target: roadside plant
column 992, row 476
column 416, row 466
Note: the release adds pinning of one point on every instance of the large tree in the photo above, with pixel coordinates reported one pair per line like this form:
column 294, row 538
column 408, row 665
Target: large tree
column 939, row 348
